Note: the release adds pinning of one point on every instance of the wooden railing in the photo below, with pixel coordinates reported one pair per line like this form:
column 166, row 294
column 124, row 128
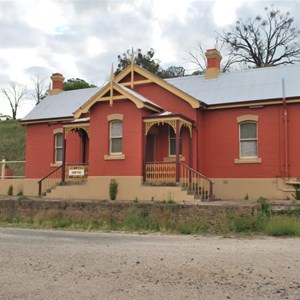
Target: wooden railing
column 71, row 173
column 160, row 172
column 195, row 183
column 192, row 181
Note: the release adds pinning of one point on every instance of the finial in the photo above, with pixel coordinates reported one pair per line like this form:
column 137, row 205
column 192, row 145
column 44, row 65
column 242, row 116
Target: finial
column 112, row 73
column 132, row 56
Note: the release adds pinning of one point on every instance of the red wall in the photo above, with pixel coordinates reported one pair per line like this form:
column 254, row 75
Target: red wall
column 166, row 100
column 40, row 149
column 219, row 143
column 133, row 136
column 294, row 139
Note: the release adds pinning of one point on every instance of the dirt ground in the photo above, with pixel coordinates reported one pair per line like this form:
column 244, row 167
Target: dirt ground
column 40, row 264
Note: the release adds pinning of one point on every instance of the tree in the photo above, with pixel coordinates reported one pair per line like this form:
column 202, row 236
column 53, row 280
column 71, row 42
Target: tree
column 264, row 42
column 148, row 62
column 39, row 91
column 76, row 84
column 172, row 72
column 198, row 58
column 15, row 94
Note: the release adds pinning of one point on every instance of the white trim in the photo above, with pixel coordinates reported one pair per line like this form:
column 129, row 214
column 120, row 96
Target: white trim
column 115, row 137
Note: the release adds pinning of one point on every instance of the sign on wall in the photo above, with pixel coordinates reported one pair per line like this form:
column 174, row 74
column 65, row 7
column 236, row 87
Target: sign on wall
column 76, row 172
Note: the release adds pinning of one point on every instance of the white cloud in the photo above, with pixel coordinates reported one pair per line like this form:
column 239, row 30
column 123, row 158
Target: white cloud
column 46, row 16
column 224, row 12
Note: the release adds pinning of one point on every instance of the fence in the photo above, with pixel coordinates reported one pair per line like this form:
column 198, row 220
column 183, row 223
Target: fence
column 12, row 169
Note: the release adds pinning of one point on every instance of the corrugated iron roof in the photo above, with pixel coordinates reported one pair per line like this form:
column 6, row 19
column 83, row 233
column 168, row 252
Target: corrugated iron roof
column 61, row 105
column 241, row 86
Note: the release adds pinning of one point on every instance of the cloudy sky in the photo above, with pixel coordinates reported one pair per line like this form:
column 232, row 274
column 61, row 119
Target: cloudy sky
column 82, row 38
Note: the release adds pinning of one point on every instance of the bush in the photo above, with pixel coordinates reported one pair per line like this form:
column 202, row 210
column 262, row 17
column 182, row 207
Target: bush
column 265, row 205
column 10, row 190
column 113, row 189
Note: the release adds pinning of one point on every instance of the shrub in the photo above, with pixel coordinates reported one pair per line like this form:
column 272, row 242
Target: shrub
column 265, row 205
column 297, row 191
column 10, row 190
column 113, row 189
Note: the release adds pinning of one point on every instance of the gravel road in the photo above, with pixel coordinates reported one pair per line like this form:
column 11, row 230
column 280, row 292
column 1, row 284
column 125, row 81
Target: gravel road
column 40, row 264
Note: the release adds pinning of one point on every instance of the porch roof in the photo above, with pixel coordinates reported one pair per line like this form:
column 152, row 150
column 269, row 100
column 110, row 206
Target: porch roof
column 82, row 123
column 168, row 115
column 169, row 118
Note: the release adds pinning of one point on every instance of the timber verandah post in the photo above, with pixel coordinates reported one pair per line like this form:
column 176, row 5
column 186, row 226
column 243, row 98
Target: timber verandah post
column 177, row 149
column 144, row 152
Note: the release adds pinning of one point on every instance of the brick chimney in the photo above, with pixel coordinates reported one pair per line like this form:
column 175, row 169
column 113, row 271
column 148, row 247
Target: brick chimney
column 213, row 68
column 57, row 84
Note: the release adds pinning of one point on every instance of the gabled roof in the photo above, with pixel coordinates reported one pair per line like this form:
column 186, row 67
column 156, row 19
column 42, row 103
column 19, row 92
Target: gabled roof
column 60, row 106
column 242, row 86
column 125, row 93
column 195, row 103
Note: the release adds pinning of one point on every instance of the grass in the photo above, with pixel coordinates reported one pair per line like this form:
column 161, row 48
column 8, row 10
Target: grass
column 141, row 219
column 12, row 146
column 283, row 225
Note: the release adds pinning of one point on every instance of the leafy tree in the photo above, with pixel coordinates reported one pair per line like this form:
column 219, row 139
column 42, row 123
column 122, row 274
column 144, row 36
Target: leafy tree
column 15, row 94
column 148, row 62
column 172, row 72
column 76, row 84
column 39, row 91
column 262, row 42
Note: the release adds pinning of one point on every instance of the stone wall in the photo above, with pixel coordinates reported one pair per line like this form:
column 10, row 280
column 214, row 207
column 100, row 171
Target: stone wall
column 161, row 213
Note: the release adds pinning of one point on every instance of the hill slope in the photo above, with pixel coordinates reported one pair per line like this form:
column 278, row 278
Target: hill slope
column 12, row 143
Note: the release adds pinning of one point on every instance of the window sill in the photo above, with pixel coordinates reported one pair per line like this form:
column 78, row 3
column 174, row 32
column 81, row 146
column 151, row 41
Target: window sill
column 248, row 161
column 173, row 158
column 55, row 165
column 114, row 157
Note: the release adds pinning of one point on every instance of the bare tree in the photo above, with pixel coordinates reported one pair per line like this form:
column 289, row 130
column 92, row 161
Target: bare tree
column 264, row 42
column 197, row 57
column 39, row 91
column 15, row 94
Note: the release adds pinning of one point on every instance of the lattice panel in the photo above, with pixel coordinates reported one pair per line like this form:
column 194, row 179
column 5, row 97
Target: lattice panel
column 161, row 172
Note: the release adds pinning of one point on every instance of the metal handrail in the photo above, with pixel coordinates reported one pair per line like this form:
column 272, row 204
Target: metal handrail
column 196, row 183
column 47, row 177
column 56, row 179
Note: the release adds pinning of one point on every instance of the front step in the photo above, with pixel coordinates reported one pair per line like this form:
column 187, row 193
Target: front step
column 66, row 183
column 190, row 191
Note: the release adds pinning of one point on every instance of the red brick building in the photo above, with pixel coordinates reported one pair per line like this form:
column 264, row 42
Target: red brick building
column 233, row 135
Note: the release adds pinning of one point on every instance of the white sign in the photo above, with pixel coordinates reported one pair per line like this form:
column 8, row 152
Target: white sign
column 75, row 172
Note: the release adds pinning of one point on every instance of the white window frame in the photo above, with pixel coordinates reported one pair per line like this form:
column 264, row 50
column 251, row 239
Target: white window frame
column 111, row 138
column 254, row 139
column 56, row 147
